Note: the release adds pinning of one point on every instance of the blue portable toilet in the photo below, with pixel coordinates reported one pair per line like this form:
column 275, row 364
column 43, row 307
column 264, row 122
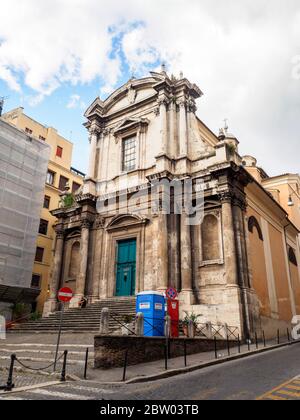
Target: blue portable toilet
column 152, row 305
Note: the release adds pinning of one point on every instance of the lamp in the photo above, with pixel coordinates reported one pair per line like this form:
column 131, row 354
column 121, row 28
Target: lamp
column 291, row 202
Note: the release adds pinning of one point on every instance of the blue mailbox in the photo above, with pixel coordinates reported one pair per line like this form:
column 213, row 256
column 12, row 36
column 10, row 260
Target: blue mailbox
column 152, row 305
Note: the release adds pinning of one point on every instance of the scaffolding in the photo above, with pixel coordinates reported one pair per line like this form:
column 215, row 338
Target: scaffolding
column 23, row 168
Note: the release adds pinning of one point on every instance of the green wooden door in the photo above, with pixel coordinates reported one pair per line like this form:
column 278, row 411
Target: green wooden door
column 126, row 268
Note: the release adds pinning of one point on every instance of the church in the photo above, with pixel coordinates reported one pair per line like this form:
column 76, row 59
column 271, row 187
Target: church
column 239, row 265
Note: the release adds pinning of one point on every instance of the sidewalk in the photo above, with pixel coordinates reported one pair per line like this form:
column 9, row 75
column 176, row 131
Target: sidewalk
column 156, row 370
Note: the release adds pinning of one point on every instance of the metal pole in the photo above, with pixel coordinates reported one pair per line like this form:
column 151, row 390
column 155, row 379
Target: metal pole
column 264, row 339
column 64, row 368
column 288, row 335
column 125, row 365
column 239, row 344
column 59, row 336
column 10, row 385
column 86, row 363
column 185, row 355
column 249, row 342
column 166, row 357
column 256, row 340
column 228, row 346
column 216, row 349
column 278, row 337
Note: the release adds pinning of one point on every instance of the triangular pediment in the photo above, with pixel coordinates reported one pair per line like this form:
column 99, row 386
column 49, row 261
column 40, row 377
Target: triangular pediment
column 96, row 108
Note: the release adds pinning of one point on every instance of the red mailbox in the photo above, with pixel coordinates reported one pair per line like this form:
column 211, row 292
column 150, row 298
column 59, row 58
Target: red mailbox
column 173, row 312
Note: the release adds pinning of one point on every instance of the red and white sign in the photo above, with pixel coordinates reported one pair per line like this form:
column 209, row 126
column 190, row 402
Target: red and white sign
column 65, row 294
column 172, row 293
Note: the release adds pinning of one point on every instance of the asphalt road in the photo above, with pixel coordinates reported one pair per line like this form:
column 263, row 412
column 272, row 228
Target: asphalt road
column 245, row 379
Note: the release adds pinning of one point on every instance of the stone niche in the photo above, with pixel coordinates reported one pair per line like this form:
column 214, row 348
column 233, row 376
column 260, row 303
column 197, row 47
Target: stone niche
column 110, row 350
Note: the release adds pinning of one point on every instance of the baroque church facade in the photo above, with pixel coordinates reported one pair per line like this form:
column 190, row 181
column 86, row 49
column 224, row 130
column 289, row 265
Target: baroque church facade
column 225, row 268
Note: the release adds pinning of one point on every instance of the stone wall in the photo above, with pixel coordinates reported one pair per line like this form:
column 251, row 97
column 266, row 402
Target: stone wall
column 110, row 350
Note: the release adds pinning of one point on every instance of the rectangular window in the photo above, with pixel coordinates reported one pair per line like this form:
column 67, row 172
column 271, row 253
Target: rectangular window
column 50, row 178
column 129, row 154
column 42, row 138
column 28, row 131
column 63, row 183
column 75, row 187
column 36, row 281
column 43, row 229
column 39, row 255
column 46, row 202
column 59, row 151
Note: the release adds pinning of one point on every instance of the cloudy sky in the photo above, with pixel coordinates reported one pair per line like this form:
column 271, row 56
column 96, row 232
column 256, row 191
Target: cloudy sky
column 56, row 56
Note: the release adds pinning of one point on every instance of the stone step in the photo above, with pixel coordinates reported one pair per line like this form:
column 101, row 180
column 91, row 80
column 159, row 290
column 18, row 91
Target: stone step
column 83, row 320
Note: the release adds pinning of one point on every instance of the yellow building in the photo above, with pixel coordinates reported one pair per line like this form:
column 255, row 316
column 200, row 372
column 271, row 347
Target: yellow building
column 59, row 174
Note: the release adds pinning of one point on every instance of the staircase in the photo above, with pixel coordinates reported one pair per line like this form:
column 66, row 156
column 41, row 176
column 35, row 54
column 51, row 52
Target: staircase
column 83, row 320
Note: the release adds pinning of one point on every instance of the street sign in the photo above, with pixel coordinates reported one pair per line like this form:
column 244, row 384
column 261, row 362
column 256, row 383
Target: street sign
column 65, row 294
column 171, row 293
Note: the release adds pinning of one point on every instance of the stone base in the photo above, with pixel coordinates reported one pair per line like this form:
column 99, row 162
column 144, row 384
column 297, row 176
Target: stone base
column 50, row 307
column 75, row 301
column 89, row 186
column 186, row 298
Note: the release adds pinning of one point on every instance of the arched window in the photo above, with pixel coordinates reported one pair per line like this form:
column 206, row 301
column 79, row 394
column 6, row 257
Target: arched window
column 292, row 257
column 253, row 223
column 74, row 261
column 210, row 239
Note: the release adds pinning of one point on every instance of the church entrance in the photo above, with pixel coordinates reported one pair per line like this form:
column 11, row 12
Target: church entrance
column 126, row 268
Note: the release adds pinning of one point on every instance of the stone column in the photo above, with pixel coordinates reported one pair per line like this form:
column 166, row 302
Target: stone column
column 94, row 133
column 230, row 257
column 162, row 253
column 84, row 254
column 183, row 140
column 186, row 261
column 98, row 255
column 163, row 125
column 51, row 304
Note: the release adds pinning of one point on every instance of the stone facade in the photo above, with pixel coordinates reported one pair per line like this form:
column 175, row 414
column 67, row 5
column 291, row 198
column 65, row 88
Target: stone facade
column 207, row 262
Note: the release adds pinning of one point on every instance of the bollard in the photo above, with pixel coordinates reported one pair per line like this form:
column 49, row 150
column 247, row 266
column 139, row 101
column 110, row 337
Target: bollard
column 288, row 335
column 139, row 324
column 104, row 321
column 249, row 343
column 278, row 337
column 264, row 339
column 209, row 330
column 191, row 329
column 64, row 368
column 166, row 356
column 185, row 353
column 239, row 344
column 256, row 340
column 125, row 365
column 10, row 385
column 216, row 349
column 86, row 363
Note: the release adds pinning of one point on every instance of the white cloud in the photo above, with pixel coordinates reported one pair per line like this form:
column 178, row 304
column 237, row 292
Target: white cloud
column 240, row 54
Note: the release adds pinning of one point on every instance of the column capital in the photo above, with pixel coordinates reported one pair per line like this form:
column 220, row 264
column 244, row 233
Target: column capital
column 86, row 224
column 60, row 232
column 226, row 197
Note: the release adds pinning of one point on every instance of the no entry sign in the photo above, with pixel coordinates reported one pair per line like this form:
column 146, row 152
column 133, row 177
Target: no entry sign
column 65, row 294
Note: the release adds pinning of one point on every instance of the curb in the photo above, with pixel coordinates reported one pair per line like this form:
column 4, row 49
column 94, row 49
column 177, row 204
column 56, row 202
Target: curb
column 175, row 372
column 29, row 388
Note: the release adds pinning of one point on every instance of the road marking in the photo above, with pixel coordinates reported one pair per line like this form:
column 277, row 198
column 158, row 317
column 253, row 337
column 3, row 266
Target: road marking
column 275, row 398
column 57, row 394
column 89, row 389
column 283, row 389
column 289, row 393
column 294, row 387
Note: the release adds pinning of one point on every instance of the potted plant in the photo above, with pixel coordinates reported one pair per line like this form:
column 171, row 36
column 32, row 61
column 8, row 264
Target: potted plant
column 190, row 319
column 128, row 324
